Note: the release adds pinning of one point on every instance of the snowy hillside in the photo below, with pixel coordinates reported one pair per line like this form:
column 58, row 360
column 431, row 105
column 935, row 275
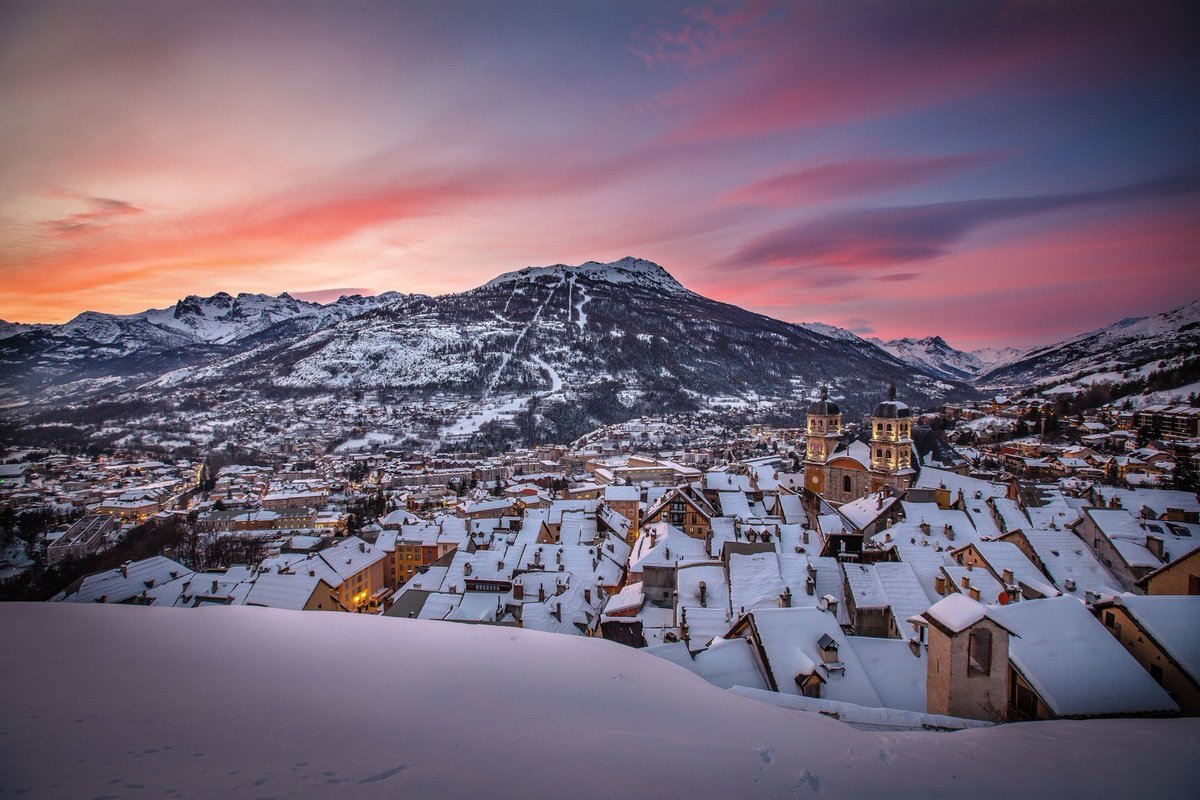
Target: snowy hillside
column 249, row 702
column 1129, row 345
column 597, row 343
column 13, row 328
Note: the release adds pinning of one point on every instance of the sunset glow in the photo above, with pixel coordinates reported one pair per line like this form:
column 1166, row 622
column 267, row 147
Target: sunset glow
column 996, row 173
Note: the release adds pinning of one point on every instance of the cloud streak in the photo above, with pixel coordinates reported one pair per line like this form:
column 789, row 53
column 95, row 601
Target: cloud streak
column 101, row 212
column 887, row 237
column 851, row 178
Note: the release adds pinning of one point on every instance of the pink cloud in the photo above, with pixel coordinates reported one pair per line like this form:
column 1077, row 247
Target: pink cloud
column 838, row 179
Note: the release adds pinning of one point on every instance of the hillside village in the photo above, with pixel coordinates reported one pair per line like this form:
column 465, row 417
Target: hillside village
column 902, row 570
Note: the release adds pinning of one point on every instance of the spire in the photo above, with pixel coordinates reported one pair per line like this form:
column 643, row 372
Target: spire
column 891, row 391
column 824, row 392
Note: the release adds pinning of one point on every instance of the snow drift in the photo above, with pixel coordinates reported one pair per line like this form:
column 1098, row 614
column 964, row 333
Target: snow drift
column 135, row 702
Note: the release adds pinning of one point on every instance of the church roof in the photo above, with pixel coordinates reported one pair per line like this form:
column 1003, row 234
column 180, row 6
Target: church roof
column 823, row 406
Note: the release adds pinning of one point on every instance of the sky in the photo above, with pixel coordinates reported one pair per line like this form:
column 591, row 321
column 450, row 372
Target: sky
column 997, row 173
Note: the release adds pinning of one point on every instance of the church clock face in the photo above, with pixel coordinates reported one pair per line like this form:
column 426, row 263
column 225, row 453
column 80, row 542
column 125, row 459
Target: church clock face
column 813, row 479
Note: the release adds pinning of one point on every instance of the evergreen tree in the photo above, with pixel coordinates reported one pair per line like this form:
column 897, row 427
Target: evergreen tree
column 1185, row 478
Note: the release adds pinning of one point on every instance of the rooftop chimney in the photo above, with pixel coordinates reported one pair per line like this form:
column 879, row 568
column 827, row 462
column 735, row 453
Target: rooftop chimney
column 703, row 595
column 974, row 593
column 1155, row 545
column 541, row 592
column 1007, row 575
column 785, row 599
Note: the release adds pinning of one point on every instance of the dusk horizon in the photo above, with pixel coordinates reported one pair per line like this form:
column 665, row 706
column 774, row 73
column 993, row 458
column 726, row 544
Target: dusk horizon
column 332, row 295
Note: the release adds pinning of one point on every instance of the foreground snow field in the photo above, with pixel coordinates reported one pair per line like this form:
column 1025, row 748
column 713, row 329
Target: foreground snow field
column 114, row 701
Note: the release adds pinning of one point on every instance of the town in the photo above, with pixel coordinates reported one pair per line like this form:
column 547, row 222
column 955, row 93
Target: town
column 910, row 569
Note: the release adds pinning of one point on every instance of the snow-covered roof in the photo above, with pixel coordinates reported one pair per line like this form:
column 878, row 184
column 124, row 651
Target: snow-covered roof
column 1075, row 665
column 124, row 583
column 276, row 590
column 862, row 512
column 957, row 612
column 1173, row 621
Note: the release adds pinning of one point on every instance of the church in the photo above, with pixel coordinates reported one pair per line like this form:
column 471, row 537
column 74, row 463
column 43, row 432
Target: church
column 841, row 473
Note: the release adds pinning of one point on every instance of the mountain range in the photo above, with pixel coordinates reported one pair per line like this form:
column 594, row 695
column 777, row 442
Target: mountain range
column 585, row 345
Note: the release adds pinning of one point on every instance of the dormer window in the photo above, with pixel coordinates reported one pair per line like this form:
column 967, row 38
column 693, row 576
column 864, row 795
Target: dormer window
column 810, row 684
column 829, row 649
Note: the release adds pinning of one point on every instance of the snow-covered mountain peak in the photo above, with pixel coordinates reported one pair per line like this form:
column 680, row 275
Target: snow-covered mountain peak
column 223, row 318
column 628, row 271
column 934, row 354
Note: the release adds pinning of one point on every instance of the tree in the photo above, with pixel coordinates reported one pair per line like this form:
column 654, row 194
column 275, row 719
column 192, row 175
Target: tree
column 1185, row 478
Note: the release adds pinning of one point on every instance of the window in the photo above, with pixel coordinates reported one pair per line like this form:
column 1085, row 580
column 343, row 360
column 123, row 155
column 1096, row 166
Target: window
column 1026, row 702
column 1110, row 619
column 846, row 483
column 979, row 652
column 1193, row 584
